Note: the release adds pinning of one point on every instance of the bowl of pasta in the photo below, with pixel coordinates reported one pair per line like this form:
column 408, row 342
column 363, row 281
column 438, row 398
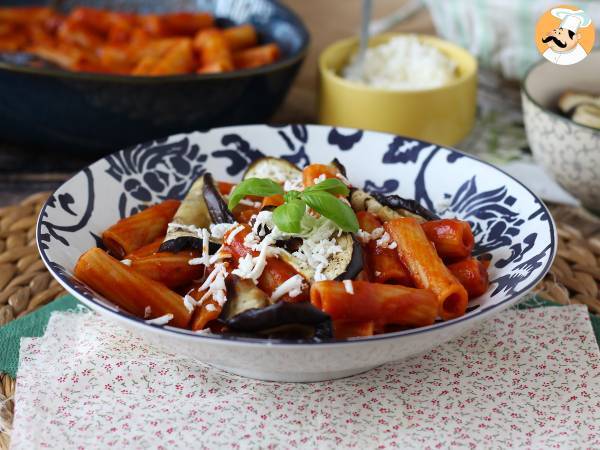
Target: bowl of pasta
column 297, row 252
column 99, row 75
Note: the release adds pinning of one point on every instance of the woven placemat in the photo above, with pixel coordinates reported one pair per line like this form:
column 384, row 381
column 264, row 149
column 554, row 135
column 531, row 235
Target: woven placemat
column 25, row 284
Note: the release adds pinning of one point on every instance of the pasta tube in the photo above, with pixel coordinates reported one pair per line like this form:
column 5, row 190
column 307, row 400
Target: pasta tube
column 128, row 289
column 213, row 49
column 472, row 274
column 426, row 268
column 383, row 263
column 452, row 238
column 170, row 269
column 256, row 56
column 314, row 172
column 382, row 303
column 240, row 37
column 146, row 250
column 135, row 231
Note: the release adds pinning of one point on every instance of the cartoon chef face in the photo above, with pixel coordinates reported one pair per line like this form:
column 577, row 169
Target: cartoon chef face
column 561, row 39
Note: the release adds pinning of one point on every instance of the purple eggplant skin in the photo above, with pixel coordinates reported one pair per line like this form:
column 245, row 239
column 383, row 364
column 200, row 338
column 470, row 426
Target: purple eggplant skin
column 356, row 262
column 282, row 314
column 187, row 243
column 395, row 202
column 339, row 166
column 213, row 208
column 216, row 204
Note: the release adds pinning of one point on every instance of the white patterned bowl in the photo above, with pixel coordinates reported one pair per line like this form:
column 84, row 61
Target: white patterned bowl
column 569, row 151
column 509, row 222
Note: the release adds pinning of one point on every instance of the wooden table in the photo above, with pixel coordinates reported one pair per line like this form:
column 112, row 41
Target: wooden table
column 27, row 170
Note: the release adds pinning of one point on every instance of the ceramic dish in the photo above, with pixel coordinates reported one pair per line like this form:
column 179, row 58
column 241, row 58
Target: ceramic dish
column 567, row 150
column 509, row 222
column 444, row 115
column 52, row 109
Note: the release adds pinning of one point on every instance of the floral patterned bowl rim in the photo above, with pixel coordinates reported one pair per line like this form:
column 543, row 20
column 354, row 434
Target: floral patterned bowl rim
column 345, row 141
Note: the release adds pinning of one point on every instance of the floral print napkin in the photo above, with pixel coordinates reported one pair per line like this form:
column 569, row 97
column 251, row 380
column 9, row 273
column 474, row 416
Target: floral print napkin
column 525, row 378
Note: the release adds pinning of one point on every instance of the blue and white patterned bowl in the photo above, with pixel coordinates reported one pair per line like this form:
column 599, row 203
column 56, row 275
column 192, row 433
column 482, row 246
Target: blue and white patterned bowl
column 509, row 222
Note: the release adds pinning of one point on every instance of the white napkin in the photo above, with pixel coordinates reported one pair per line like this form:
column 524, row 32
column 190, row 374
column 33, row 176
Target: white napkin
column 528, row 379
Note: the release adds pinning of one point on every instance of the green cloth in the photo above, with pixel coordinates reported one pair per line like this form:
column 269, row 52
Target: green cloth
column 34, row 324
column 31, row 325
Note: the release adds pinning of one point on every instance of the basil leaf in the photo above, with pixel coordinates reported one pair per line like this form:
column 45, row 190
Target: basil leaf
column 333, row 208
column 331, row 185
column 261, row 187
column 288, row 216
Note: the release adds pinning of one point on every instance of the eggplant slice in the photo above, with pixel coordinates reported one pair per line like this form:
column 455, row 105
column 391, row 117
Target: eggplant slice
column 344, row 265
column 405, row 206
column 202, row 206
column 242, row 295
column 339, row 166
column 277, row 169
column 290, row 319
column 389, row 207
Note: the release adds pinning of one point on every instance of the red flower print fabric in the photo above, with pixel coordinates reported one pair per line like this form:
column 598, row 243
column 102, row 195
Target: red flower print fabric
column 524, row 379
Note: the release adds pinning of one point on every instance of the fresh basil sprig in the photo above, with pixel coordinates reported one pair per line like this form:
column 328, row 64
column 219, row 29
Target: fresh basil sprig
column 321, row 197
column 260, row 187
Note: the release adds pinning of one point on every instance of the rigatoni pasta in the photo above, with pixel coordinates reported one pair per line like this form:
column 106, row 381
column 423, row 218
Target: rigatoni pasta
column 426, row 267
column 102, row 41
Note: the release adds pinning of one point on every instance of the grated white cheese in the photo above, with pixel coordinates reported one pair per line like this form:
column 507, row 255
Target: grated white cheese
column 320, row 178
column 377, row 273
column 293, row 184
column 162, row 320
column 365, row 237
column 210, row 307
column 250, row 203
column 127, row 262
column 189, row 302
column 233, row 233
column 292, row 286
column 147, row 312
column 253, row 267
column 215, row 285
column 219, row 256
column 174, row 226
column 219, row 230
column 384, row 240
column 245, row 266
column 318, row 246
column 348, row 287
column 402, row 63
column 262, row 222
column 205, row 257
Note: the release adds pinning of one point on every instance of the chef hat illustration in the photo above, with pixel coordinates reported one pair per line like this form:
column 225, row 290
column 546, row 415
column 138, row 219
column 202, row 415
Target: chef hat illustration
column 571, row 20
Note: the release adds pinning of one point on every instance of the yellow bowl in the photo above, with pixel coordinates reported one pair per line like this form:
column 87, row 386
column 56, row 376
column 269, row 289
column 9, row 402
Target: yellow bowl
column 442, row 115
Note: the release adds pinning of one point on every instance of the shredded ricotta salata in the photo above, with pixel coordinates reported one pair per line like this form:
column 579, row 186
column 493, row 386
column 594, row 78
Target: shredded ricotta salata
column 189, row 302
column 292, row 286
column 382, row 238
column 215, row 285
column 219, row 230
column 348, row 287
column 127, row 262
column 162, row 320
